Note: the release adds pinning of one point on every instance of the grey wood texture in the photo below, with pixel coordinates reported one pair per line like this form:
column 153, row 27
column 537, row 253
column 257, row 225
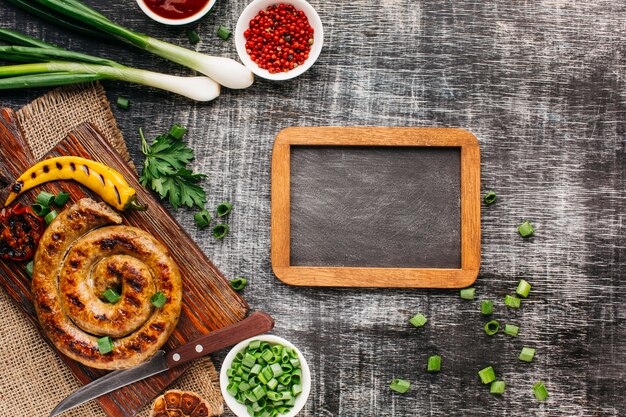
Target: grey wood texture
column 542, row 86
column 375, row 207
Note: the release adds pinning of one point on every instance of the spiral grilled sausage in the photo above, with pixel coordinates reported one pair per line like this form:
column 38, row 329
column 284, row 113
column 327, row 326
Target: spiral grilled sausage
column 86, row 251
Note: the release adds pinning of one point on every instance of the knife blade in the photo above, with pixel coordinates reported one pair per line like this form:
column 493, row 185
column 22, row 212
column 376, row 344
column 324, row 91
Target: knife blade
column 255, row 324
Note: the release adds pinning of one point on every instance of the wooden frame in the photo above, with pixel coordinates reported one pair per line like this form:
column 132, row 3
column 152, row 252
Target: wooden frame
column 376, row 277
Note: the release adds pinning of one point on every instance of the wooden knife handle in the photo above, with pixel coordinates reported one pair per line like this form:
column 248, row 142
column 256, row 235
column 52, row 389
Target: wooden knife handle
column 255, row 324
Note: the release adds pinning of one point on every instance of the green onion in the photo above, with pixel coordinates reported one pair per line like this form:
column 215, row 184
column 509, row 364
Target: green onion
column 270, row 390
column 29, row 268
column 202, row 219
column 490, row 198
column 487, row 375
column 44, row 198
column 61, row 198
column 158, row 300
column 468, row 293
column 40, row 210
column 224, row 209
column 527, row 354
column 512, row 301
column 400, row 385
column 511, row 330
column 418, row 320
column 434, row 363
column 486, row 308
column 177, row 131
column 526, row 229
column 51, row 216
column 105, row 345
column 540, row 391
column 111, row 296
column 492, row 327
column 220, row 231
column 523, row 288
column 50, row 65
column 225, row 71
column 223, row 32
column 497, row 387
column 193, row 37
column 123, row 103
column 239, row 284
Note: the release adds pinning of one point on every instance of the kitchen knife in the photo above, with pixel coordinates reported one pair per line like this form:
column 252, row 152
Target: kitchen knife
column 255, row 324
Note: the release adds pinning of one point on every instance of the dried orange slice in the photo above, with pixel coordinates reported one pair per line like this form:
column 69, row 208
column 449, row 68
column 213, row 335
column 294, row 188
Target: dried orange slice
column 175, row 403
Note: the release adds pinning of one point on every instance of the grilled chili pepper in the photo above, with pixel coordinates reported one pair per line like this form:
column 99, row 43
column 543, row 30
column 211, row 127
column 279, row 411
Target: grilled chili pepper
column 103, row 180
column 20, row 231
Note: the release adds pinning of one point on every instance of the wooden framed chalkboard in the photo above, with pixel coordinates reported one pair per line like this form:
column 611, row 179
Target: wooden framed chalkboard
column 376, row 207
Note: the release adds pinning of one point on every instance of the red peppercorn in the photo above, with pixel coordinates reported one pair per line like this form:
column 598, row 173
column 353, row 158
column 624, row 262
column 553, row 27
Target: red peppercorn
column 279, row 26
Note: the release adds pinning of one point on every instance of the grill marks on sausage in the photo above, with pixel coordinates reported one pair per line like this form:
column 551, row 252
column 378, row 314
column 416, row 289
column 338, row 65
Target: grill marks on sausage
column 75, row 300
column 158, row 326
column 113, row 241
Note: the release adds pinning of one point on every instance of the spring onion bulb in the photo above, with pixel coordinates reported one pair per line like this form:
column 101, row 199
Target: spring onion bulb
column 225, row 71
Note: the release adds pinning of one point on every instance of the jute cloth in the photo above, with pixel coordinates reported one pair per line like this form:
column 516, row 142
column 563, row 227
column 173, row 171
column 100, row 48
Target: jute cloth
column 33, row 379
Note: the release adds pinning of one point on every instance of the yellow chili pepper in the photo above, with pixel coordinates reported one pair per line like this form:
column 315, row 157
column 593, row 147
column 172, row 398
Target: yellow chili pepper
column 101, row 179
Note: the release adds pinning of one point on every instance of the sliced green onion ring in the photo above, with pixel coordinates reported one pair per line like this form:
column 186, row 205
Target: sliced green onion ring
column 61, row 198
column 540, row 391
column 29, row 268
column 123, row 103
column 40, row 210
column 468, row 293
column 486, row 308
column 418, row 320
column 434, row 363
column 44, row 198
column 51, row 216
column 512, row 301
column 511, row 330
column 105, row 345
column 527, row 354
column 239, row 283
column 220, row 231
column 490, row 198
column 111, row 296
column 497, row 387
column 223, row 32
column 224, row 209
column 400, row 385
column 523, row 288
column 202, row 219
column 492, row 327
column 487, row 375
column 158, row 299
column 526, row 229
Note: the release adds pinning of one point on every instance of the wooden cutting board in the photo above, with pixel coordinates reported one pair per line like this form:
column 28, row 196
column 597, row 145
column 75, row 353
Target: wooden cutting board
column 209, row 303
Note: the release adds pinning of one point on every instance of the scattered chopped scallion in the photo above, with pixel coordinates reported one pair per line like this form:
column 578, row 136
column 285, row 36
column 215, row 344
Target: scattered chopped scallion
column 512, row 301
column 158, row 299
column 492, row 327
column 61, row 198
column 239, row 283
column 224, row 209
column 400, row 385
column 540, row 391
column 511, row 330
column 40, row 210
column 486, row 308
column 105, row 345
column 51, row 216
column 193, row 37
column 220, row 231
column 111, row 296
column 434, row 363
column 29, row 268
column 527, row 354
column 123, row 103
column 497, row 387
column 526, row 229
column 490, row 198
column 223, row 32
column 202, row 219
column 418, row 320
column 44, row 198
column 468, row 293
column 487, row 375
column 177, row 131
column 523, row 288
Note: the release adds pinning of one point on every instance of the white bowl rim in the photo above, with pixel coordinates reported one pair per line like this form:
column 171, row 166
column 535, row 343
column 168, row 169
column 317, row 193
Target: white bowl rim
column 251, row 10
column 175, row 22
column 239, row 409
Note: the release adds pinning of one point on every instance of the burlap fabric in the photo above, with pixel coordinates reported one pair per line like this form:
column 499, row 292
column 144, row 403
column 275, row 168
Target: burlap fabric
column 33, row 378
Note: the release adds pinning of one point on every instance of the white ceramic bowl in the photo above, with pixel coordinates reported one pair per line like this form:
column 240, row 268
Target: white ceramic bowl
column 244, row 23
column 240, row 409
column 176, row 22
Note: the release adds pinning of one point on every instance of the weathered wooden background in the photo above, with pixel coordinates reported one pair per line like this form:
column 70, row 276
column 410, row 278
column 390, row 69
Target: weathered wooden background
column 541, row 83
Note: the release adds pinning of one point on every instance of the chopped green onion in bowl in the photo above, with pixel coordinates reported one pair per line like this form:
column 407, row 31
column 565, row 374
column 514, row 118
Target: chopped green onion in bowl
column 265, row 373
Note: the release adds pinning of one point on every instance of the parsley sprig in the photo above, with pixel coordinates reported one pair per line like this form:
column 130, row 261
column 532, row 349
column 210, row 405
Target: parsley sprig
column 165, row 169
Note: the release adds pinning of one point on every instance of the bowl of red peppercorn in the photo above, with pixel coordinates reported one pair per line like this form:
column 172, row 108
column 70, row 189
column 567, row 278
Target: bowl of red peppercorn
column 279, row 40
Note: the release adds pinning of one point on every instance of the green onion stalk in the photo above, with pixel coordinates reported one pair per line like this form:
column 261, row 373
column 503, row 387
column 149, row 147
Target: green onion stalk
column 47, row 65
column 225, row 71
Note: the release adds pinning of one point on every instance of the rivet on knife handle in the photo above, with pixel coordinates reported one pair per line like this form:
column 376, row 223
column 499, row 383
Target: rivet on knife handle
column 255, row 324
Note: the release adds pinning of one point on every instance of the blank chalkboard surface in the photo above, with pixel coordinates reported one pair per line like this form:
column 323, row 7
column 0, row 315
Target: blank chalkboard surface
column 376, row 207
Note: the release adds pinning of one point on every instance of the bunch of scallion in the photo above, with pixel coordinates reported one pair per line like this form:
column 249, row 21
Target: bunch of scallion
column 76, row 15
column 45, row 65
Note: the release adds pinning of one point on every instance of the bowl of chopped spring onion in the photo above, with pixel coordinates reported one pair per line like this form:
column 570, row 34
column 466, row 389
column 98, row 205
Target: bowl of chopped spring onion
column 265, row 376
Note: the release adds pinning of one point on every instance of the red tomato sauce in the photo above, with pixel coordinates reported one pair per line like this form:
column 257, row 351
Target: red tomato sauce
column 176, row 9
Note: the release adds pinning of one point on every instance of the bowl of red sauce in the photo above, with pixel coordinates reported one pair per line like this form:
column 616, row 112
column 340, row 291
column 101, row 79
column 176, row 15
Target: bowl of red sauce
column 175, row 12
column 279, row 40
